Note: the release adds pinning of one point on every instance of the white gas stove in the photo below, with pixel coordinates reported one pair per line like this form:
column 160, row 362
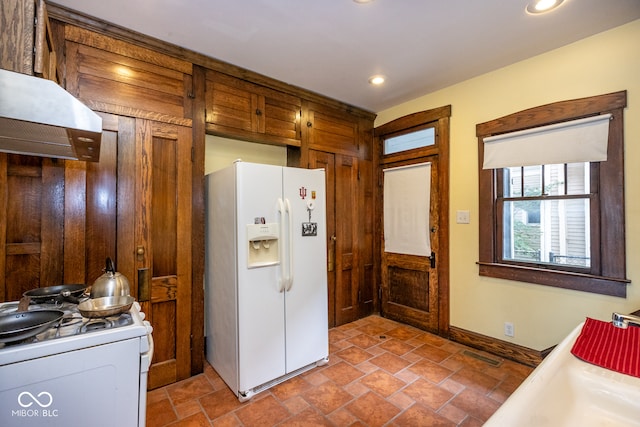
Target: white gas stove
column 79, row 371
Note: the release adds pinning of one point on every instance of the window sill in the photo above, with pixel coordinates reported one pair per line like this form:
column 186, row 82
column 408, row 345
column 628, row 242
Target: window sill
column 558, row 279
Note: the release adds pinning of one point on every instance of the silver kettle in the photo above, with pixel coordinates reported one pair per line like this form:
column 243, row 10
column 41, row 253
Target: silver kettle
column 110, row 284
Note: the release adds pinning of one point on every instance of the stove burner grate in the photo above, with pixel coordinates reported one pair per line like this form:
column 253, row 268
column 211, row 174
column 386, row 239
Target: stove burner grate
column 106, row 323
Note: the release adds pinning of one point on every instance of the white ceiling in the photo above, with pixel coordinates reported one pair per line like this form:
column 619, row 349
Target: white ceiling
column 332, row 47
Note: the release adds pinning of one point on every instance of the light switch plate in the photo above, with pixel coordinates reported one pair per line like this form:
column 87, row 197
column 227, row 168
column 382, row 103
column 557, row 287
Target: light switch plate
column 462, row 217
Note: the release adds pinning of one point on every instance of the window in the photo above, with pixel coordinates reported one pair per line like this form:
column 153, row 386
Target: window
column 408, row 141
column 557, row 224
column 545, row 213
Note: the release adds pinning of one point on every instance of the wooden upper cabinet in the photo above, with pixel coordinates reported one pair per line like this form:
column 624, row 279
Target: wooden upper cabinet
column 26, row 43
column 117, row 77
column 240, row 109
column 331, row 130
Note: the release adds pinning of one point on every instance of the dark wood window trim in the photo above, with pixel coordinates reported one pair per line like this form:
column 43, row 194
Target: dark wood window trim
column 609, row 246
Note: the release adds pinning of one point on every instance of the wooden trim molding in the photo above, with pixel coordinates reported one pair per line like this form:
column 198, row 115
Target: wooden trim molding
column 504, row 349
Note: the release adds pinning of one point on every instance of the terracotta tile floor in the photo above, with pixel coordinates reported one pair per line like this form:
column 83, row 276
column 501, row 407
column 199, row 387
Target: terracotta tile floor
column 380, row 373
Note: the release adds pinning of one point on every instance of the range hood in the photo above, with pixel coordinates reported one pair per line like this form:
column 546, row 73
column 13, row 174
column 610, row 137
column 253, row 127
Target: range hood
column 40, row 118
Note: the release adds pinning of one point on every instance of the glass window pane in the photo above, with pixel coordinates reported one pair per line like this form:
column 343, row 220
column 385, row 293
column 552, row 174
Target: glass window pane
column 532, row 181
column 554, row 180
column 578, row 178
column 409, row 141
column 512, row 182
column 547, row 231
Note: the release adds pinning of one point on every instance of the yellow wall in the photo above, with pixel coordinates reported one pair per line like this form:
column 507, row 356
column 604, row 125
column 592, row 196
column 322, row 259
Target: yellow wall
column 542, row 316
column 221, row 152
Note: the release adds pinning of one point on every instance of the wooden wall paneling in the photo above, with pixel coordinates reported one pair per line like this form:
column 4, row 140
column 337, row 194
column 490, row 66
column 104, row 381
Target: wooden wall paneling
column 4, row 196
column 52, row 222
column 126, row 49
column 24, row 224
column 126, row 198
column 184, row 227
column 17, row 41
column 75, row 205
column 101, row 210
column 23, row 232
column 197, row 234
column 57, row 34
column 367, row 296
column 368, row 283
column 45, row 62
column 26, row 42
column 141, row 209
column 32, row 228
column 90, row 214
column 188, row 100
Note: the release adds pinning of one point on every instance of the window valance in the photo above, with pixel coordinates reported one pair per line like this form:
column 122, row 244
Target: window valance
column 582, row 140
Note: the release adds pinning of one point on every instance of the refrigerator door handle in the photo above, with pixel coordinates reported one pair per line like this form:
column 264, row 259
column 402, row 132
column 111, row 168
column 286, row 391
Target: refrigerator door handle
column 283, row 276
column 289, row 245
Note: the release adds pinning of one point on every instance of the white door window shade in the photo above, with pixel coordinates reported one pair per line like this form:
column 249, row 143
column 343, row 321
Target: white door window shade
column 407, row 195
column 582, row 140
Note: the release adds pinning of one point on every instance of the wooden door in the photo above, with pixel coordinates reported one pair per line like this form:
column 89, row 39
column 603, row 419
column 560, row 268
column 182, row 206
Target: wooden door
column 342, row 233
column 410, row 282
column 157, row 195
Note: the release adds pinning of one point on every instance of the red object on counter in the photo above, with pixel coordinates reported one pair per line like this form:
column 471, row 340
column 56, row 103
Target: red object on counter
column 605, row 345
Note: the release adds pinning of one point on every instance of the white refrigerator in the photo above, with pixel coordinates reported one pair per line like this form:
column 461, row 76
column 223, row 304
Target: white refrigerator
column 265, row 274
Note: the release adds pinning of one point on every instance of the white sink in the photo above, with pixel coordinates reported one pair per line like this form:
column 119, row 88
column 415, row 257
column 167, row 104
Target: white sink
column 565, row 391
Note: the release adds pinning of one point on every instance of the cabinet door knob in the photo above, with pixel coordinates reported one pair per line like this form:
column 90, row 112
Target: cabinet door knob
column 309, row 124
column 258, row 112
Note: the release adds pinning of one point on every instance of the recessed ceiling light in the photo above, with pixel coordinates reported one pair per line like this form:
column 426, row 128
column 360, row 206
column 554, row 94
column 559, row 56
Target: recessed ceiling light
column 362, row 1
column 376, row 80
column 541, row 6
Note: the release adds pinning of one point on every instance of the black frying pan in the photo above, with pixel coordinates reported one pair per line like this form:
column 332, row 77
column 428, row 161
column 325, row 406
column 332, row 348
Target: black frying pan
column 58, row 293
column 26, row 324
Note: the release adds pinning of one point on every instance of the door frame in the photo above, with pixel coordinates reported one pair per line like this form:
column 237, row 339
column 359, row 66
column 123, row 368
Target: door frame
column 440, row 118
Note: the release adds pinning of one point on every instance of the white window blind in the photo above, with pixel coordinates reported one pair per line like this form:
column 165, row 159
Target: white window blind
column 407, row 194
column 582, row 140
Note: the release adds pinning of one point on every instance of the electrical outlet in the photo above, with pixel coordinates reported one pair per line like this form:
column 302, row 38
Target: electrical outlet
column 508, row 329
column 462, row 217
